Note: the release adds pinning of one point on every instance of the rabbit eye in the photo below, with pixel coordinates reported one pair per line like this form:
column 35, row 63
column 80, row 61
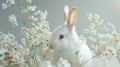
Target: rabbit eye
column 61, row 36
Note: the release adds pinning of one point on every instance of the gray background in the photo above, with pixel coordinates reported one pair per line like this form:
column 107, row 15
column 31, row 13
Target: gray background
column 109, row 10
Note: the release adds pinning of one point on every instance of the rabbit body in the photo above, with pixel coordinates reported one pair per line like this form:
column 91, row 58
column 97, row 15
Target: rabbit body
column 66, row 43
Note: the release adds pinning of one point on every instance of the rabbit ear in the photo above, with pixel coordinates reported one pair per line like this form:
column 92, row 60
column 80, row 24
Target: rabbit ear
column 72, row 17
column 66, row 10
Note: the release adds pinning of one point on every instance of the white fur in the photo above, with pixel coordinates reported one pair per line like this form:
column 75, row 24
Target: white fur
column 69, row 45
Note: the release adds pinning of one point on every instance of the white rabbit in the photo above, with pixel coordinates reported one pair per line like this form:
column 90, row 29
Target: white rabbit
column 65, row 41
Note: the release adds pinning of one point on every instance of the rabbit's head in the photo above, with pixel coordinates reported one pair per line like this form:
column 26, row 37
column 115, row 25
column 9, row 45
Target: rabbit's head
column 65, row 36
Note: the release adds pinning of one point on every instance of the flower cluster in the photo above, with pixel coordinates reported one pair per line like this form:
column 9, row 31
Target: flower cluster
column 9, row 51
column 102, row 37
column 33, row 47
column 63, row 63
column 8, row 4
column 37, row 18
column 13, row 20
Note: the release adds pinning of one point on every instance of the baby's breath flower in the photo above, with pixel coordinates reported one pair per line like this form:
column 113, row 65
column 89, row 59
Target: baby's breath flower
column 94, row 32
column 43, row 15
column 91, row 26
column 90, row 16
column 40, row 14
column 86, row 30
column 34, row 41
column 37, row 12
column 23, row 41
column 8, row 4
column 13, row 20
column 82, row 37
column 4, row 5
column 31, row 8
column 109, row 52
column 33, row 18
column 10, row 1
column 98, row 22
column 97, row 16
column 46, row 64
column 101, row 20
column 63, row 63
column 29, row 1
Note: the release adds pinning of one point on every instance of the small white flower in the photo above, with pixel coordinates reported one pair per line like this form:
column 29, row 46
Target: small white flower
column 98, row 22
column 4, row 5
column 94, row 32
column 63, row 63
column 8, row 4
column 13, row 20
column 10, row 1
column 31, row 8
column 86, row 30
column 29, row 1
column 92, row 25
column 37, row 12
column 33, row 18
column 43, row 15
column 90, row 16
column 82, row 37
column 46, row 64
column 23, row 41
column 97, row 16
column 102, row 20
column 109, row 53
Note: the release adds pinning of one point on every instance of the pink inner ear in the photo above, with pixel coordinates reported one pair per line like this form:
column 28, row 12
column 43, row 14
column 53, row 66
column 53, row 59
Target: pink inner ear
column 72, row 17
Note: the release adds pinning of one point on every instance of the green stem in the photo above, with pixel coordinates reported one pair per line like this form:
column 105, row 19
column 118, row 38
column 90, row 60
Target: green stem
column 98, row 45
